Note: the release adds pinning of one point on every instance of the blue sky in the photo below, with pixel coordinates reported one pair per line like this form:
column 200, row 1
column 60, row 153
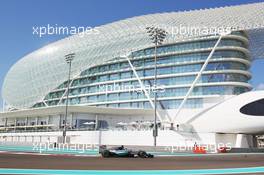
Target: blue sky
column 17, row 17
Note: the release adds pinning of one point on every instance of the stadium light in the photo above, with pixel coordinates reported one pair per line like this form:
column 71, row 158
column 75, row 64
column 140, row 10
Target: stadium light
column 68, row 59
column 157, row 36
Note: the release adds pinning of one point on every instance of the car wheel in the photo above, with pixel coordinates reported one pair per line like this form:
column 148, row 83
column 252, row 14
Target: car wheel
column 142, row 154
column 150, row 156
column 106, row 153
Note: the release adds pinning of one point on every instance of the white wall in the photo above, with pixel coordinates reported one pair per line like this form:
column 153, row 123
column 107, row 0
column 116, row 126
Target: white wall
column 114, row 137
column 137, row 138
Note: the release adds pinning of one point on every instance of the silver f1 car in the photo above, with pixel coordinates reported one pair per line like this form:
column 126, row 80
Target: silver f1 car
column 121, row 151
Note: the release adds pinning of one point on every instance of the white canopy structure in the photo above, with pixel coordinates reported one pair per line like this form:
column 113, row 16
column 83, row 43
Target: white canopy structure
column 41, row 71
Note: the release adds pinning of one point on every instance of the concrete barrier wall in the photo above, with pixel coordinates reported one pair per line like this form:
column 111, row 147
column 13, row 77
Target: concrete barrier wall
column 145, row 138
column 136, row 138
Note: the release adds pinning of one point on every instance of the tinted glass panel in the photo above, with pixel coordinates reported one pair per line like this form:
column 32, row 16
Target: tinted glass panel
column 255, row 108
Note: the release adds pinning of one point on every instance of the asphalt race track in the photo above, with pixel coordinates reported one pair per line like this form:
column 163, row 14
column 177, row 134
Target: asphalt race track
column 28, row 161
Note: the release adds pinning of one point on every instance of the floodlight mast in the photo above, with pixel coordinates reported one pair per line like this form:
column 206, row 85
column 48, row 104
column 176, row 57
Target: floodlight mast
column 68, row 59
column 157, row 36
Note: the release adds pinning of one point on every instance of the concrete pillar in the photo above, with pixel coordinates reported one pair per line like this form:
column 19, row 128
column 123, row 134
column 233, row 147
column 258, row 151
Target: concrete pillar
column 255, row 141
column 48, row 122
column 26, row 123
column 60, row 122
column 96, row 122
column 15, row 124
column 36, row 121
column 72, row 121
column 244, row 141
column 6, row 124
column 72, row 117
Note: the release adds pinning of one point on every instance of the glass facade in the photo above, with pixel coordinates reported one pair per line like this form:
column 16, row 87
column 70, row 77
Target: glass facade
column 113, row 84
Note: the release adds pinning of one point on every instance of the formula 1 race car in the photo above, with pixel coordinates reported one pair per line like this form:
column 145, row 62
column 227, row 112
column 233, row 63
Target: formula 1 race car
column 121, row 151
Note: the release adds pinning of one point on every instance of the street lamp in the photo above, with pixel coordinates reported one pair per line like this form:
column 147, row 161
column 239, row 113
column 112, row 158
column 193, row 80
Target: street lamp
column 157, row 36
column 68, row 59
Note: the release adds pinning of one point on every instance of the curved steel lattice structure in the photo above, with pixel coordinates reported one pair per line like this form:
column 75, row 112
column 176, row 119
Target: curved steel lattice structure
column 40, row 72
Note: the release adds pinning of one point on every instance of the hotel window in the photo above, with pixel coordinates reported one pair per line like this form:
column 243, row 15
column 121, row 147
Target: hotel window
column 93, row 79
column 74, row 101
column 149, row 51
column 85, row 72
column 135, row 84
column 149, row 62
column 125, row 75
column 74, row 92
column 75, row 83
column 83, row 100
column 93, row 70
column 92, row 89
column 103, row 68
column 149, row 83
column 113, row 67
column 112, row 105
column 134, row 105
column 138, row 63
column 126, row 83
column 164, row 70
column 124, row 65
column 84, row 90
column 140, row 73
column 134, row 95
column 168, row 104
column 101, row 98
column 124, row 96
column 141, row 105
column 84, row 81
column 166, row 60
column 147, row 105
column 114, row 76
column 92, row 99
column 113, row 97
column 103, row 78
column 124, row 105
column 164, row 81
column 149, row 72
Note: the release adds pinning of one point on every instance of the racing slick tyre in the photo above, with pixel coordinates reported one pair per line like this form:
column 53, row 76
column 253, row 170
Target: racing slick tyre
column 142, row 154
column 150, row 156
column 106, row 153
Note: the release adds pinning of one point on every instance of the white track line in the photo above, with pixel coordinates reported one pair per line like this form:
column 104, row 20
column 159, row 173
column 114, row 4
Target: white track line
column 41, row 154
